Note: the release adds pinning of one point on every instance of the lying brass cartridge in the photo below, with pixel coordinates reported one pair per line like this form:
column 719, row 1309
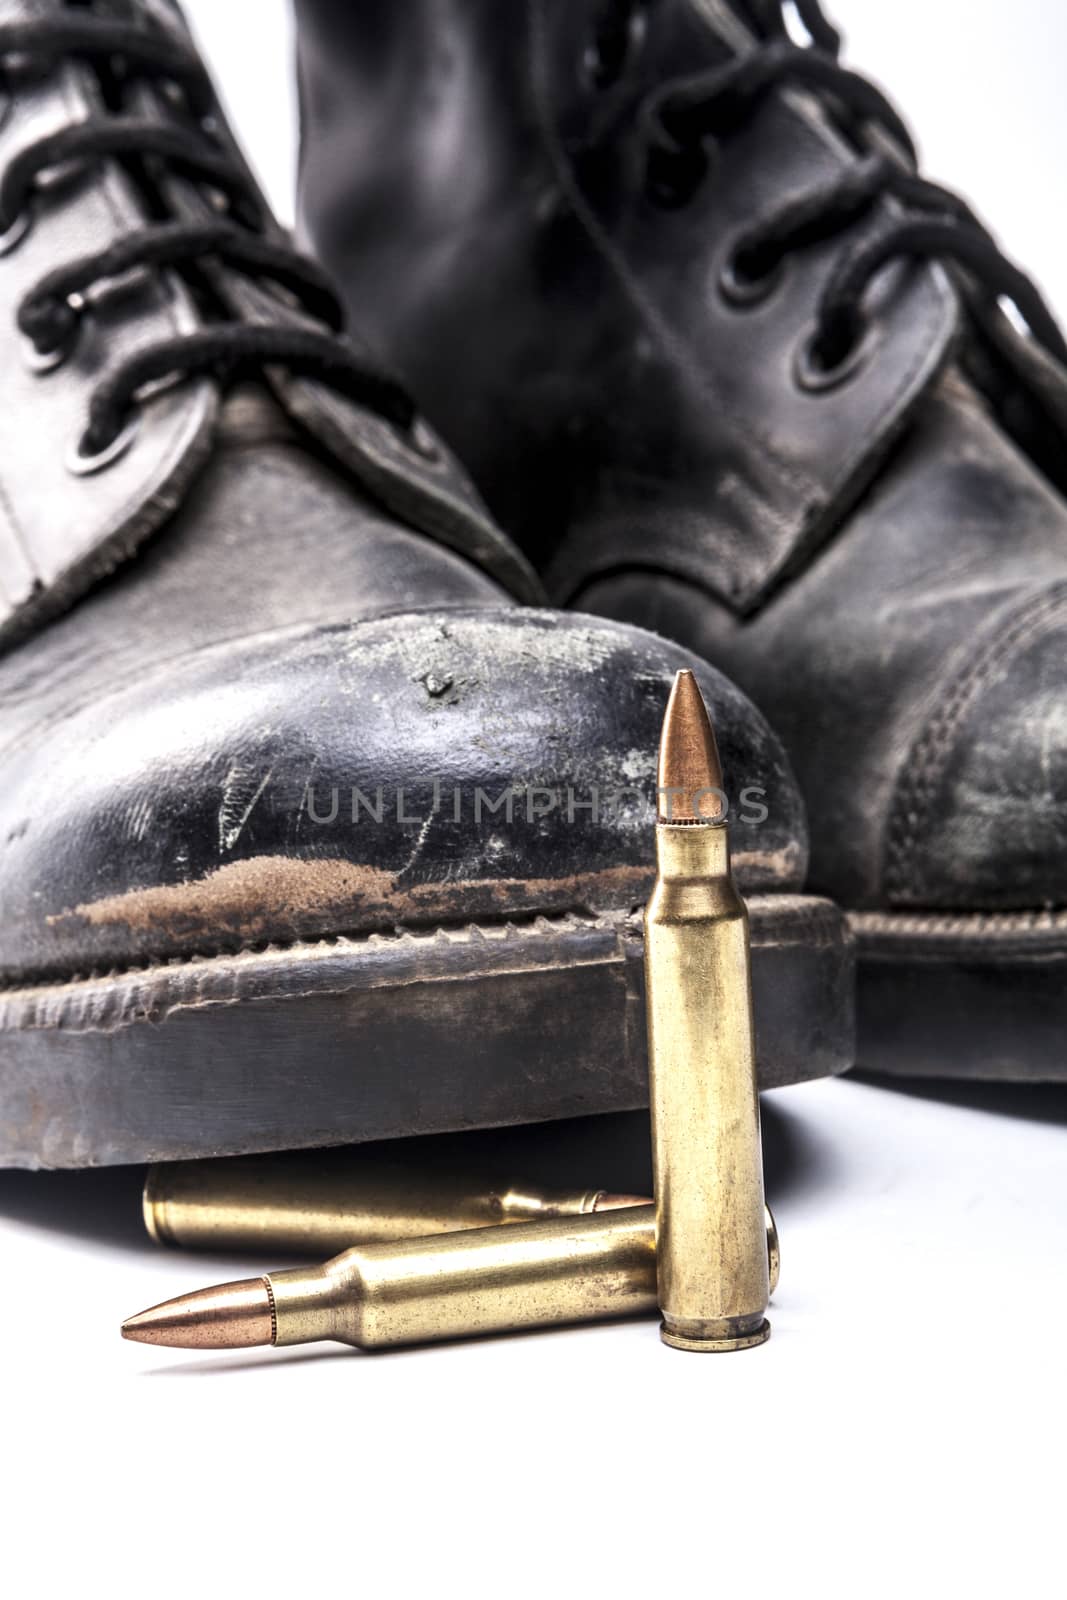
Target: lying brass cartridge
column 414, row 1291
column 321, row 1201
column 707, row 1156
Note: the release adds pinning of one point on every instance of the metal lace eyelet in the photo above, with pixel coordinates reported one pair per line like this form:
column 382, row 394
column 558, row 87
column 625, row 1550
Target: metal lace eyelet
column 83, row 465
column 741, row 289
column 69, row 329
column 813, row 376
column 13, row 235
column 41, row 361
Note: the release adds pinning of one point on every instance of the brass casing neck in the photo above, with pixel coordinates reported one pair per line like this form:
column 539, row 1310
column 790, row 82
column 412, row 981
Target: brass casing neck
column 692, row 850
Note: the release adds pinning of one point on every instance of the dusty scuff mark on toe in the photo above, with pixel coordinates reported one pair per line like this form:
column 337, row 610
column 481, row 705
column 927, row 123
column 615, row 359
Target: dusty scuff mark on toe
column 259, row 895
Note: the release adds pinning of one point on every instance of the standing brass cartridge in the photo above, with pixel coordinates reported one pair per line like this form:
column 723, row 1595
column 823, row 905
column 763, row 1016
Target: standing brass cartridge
column 484, row 1280
column 322, row 1201
column 707, row 1156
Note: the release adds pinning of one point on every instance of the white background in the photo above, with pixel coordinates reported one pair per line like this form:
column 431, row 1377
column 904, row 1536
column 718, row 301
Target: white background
column 902, row 1433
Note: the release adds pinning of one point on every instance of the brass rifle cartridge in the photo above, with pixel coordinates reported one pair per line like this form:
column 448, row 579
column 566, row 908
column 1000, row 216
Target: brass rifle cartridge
column 707, row 1156
column 319, row 1202
column 414, row 1291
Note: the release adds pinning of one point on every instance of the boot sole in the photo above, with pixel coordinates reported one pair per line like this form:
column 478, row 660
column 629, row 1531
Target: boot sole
column 979, row 995
column 350, row 1038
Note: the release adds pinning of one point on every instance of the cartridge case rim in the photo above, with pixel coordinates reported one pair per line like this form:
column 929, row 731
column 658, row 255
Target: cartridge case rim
column 737, row 1341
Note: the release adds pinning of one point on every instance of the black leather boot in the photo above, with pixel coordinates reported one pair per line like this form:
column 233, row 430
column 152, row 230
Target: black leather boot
column 297, row 838
column 726, row 366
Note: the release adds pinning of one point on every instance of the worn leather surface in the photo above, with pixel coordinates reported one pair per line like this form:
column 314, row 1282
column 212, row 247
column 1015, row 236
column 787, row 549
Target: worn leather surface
column 270, row 596
column 183, row 750
column 882, row 565
column 916, row 674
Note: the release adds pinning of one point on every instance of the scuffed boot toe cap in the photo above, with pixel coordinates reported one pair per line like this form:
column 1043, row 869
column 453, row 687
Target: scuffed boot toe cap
column 421, row 769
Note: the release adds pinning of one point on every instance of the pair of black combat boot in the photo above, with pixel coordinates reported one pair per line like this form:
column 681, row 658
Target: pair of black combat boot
column 317, row 823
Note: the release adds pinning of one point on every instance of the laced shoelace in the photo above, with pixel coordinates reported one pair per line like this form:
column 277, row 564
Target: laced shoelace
column 685, row 116
column 51, row 313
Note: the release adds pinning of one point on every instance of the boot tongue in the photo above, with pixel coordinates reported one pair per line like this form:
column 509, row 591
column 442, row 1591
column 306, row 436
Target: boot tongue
column 251, row 415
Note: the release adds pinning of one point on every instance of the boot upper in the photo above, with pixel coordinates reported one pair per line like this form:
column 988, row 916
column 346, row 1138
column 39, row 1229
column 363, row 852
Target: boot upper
column 872, row 537
column 240, row 592
column 656, row 407
column 72, row 510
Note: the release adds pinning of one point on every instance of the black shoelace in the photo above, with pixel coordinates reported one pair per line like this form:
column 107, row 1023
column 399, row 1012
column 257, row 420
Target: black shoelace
column 686, row 115
column 51, row 312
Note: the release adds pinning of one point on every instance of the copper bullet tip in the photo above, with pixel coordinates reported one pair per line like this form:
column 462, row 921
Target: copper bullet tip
column 230, row 1316
column 690, row 774
column 618, row 1202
